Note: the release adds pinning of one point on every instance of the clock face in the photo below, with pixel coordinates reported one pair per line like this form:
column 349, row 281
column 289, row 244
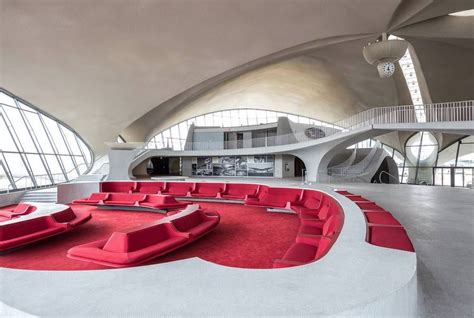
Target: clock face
column 386, row 69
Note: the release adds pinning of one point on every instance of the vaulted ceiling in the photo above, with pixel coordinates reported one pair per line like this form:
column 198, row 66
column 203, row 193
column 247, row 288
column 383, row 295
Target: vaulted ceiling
column 105, row 67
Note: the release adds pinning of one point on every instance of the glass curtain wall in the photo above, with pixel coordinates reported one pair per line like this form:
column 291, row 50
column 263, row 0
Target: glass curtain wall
column 455, row 165
column 175, row 136
column 35, row 149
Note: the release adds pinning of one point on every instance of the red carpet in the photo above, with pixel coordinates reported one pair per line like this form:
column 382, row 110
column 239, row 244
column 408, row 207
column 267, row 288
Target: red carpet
column 247, row 237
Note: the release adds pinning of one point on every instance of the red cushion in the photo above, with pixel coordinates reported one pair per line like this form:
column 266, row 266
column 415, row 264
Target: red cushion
column 149, row 187
column 384, row 218
column 344, row 192
column 117, row 186
column 64, row 216
column 301, row 252
column 124, row 198
column 239, row 191
column 369, row 206
column 208, row 189
column 133, row 240
column 390, row 236
column 178, row 188
column 357, row 198
column 98, row 196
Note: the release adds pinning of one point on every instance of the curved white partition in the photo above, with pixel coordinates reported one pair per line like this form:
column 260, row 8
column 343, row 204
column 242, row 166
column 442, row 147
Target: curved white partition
column 355, row 277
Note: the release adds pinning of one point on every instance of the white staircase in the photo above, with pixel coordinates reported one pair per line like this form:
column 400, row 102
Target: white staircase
column 44, row 195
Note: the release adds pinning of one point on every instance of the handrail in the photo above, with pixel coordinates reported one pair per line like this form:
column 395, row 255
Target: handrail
column 10, row 186
column 390, row 175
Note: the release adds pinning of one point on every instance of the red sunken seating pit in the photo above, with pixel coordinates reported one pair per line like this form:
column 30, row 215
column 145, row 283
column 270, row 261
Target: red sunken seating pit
column 239, row 191
column 23, row 232
column 320, row 216
column 146, row 242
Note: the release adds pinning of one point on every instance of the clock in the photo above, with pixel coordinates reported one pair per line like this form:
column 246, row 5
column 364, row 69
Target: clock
column 386, row 69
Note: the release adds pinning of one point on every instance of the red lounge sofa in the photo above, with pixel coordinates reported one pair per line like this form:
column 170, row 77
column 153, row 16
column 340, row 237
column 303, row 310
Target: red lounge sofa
column 72, row 218
column 124, row 199
column 142, row 244
column 369, row 206
column 303, row 253
column 276, row 197
column 20, row 209
column 94, row 198
column 118, row 186
column 130, row 248
column 207, row 190
column 162, row 202
column 310, row 201
column 179, row 189
column 20, row 233
column 390, row 236
column 239, row 191
column 149, row 187
column 381, row 218
column 196, row 223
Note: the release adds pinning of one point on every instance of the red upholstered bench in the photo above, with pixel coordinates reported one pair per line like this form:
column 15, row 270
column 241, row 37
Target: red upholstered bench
column 381, row 218
column 196, row 223
column 179, row 189
column 72, row 218
column 276, row 198
column 303, row 253
column 318, row 216
column 94, row 198
column 239, row 191
column 20, row 233
column 133, row 247
column 149, row 187
column 20, row 209
column 146, row 242
column 157, row 201
column 390, row 236
column 118, row 186
column 369, row 206
column 124, row 199
column 310, row 201
column 207, row 190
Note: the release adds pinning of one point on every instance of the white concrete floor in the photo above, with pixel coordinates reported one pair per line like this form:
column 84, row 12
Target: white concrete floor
column 440, row 223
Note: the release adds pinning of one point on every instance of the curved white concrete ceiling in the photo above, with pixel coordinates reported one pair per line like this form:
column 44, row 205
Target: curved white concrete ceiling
column 100, row 65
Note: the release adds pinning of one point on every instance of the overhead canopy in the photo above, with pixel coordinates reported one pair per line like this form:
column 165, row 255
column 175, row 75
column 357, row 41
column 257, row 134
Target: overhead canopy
column 104, row 67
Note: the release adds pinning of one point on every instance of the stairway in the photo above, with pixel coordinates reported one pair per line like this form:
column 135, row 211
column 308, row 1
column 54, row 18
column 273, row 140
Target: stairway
column 44, row 195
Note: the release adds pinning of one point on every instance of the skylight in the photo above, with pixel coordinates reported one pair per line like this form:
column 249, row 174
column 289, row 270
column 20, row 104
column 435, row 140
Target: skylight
column 409, row 72
column 465, row 13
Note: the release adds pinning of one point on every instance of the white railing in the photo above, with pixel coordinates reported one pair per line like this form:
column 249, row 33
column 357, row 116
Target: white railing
column 438, row 112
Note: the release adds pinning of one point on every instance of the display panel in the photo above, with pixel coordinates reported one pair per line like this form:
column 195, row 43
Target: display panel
column 231, row 166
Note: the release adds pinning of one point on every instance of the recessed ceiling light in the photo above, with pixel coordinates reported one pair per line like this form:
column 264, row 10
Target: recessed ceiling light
column 465, row 13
